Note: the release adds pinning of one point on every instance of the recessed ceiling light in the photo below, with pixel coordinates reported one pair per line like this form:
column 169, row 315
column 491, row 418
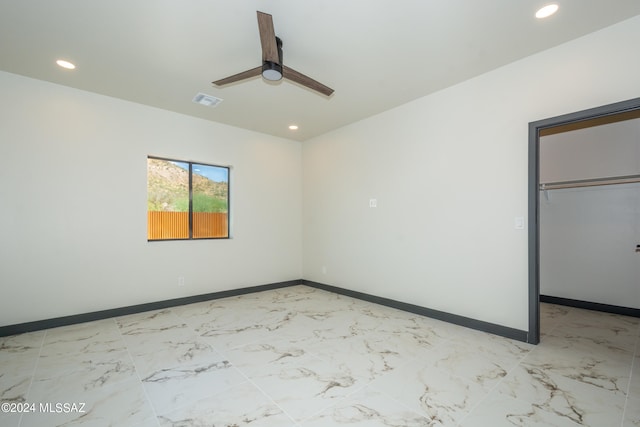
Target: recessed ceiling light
column 547, row 11
column 65, row 64
column 293, row 127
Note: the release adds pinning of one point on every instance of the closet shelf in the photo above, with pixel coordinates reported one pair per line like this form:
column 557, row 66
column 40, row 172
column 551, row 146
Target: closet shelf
column 626, row 179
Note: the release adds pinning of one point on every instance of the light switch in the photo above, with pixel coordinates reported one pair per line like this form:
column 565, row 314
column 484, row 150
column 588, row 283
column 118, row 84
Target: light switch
column 518, row 223
column 373, row 203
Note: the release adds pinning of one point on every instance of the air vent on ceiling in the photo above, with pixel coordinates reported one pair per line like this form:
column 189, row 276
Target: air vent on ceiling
column 206, row 100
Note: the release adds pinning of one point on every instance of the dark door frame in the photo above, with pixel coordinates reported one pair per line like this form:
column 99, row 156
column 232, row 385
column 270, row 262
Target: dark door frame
column 535, row 128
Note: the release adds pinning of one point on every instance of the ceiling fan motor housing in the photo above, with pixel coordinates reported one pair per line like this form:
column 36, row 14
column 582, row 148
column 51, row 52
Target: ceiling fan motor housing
column 272, row 70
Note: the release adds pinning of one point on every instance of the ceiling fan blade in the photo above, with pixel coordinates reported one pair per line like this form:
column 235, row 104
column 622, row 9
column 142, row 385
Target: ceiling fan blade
column 293, row 75
column 240, row 76
column 268, row 38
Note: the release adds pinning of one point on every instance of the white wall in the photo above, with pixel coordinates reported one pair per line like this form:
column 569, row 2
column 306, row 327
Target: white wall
column 587, row 244
column 595, row 152
column 449, row 172
column 73, row 204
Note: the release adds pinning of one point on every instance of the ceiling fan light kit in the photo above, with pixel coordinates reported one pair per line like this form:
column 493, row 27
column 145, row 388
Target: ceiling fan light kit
column 271, row 71
column 272, row 68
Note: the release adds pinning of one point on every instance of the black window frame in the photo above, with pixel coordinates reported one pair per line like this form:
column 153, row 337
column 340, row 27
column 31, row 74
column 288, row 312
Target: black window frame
column 191, row 163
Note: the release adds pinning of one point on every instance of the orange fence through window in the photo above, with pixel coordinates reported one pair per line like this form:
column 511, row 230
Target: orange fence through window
column 175, row 225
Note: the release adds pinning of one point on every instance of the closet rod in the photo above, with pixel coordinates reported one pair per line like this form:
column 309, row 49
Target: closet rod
column 627, row 179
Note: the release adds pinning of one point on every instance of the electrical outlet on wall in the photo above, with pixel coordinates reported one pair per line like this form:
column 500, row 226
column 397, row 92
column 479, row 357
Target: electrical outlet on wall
column 181, row 281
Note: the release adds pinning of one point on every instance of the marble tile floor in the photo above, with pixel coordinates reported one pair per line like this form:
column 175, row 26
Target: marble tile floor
column 302, row 357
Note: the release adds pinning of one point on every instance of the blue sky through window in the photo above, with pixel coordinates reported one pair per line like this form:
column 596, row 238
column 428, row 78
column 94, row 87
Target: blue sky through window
column 214, row 173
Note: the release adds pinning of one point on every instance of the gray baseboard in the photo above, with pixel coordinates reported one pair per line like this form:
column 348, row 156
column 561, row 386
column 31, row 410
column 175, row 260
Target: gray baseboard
column 596, row 306
column 139, row 308
column 467, row 322
column 158, row 305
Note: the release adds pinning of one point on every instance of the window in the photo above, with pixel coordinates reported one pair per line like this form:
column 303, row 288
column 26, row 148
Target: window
column 186, row 200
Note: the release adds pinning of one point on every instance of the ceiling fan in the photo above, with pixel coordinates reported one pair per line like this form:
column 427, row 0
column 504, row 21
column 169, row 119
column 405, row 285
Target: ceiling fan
column 272, row 67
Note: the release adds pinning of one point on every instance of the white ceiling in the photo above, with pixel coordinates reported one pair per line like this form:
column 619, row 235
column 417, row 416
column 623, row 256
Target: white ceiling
column 375, row 54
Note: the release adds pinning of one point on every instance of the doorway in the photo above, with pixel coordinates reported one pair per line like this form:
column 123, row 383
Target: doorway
column 607, row 114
